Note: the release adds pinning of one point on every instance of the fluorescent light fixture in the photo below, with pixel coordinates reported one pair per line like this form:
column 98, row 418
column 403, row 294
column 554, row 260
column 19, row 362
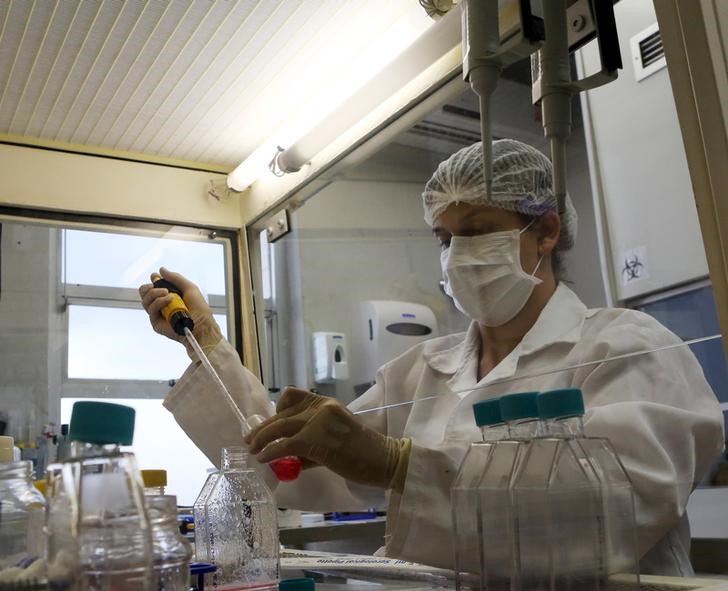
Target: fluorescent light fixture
column 332, row 108
column 422, row 53
column 252, row 168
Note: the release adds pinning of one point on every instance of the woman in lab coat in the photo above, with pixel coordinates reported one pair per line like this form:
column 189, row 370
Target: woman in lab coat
column 500, row 261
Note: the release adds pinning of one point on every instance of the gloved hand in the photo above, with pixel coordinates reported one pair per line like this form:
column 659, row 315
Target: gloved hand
column 206, row 330
column 322, row 431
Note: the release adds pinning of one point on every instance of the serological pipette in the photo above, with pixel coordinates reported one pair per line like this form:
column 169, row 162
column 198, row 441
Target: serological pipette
column 176, row 313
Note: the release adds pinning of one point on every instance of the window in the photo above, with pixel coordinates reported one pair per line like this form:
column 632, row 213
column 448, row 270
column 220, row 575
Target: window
column 118, row 344
column 72, row 327
column 109, row 337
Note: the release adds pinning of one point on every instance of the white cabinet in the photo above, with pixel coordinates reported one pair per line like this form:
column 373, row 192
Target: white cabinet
column 638, row 162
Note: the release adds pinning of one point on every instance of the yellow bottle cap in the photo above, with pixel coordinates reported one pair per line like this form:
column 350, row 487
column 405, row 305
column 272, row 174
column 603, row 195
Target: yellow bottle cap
column 6, row 449
column 41, row 486
column 154, row 478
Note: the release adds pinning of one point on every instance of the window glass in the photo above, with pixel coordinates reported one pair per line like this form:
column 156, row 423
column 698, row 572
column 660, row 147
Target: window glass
column 122, row 260
column 82, row 333
column 119, row 344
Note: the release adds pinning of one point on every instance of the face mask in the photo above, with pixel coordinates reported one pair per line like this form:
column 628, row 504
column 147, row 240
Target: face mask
column 484, row 277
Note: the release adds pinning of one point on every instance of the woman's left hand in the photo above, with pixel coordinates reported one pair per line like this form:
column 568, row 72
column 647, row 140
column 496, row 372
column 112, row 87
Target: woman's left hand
column 321, row 431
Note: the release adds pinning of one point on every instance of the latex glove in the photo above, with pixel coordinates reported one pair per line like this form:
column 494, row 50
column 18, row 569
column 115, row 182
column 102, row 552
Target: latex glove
column 321, row 431
column 154, row 299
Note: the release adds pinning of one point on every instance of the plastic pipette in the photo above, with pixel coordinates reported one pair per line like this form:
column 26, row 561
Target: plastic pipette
column 177, row 314
column 543, row 372
column 285, row 469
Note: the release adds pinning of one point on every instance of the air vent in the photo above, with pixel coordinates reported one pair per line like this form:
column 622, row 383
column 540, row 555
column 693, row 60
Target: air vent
column 651, row 49
column 648, row 55
column 450, row 133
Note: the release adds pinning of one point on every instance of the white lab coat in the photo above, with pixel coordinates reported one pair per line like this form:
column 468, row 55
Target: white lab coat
column 657, row 409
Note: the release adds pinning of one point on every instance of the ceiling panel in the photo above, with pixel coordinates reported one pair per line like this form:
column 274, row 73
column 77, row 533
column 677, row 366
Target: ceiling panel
column 183, row 79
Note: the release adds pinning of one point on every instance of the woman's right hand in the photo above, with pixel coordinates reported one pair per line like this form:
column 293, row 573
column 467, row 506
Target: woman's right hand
column 154, row 299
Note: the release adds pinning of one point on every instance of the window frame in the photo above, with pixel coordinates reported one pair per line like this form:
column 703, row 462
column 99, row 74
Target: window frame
column 102, row 296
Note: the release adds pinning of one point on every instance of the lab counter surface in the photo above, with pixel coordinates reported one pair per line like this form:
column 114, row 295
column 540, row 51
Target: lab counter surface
column 648, row 583
column 707, row 554
column 339, row 572
column 297, row 536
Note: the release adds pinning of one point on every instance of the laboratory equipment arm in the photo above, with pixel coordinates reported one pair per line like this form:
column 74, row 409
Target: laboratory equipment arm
column 662, row 418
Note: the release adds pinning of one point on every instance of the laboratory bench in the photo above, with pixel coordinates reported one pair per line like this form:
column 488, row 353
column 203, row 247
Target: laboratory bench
column 648, row 583
column 363, row 536
column 370, row 580
column 385, row 574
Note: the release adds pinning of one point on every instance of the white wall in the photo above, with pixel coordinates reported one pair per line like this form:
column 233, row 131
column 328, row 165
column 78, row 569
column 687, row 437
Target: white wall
column 582, row 263
column 639, row 159
column 29, row 322
column 356, row 241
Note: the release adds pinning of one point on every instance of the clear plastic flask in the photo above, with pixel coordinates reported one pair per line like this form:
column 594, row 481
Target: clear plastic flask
column 242, row 528
column 562, row 412
column 202, row 542
column 498, row 522
column 466, row 514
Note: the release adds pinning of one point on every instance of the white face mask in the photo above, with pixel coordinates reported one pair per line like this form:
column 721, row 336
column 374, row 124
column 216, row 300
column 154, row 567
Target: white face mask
column 484, row 277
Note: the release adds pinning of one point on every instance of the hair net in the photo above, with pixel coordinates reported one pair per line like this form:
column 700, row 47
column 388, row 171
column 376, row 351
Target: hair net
column 522, row 182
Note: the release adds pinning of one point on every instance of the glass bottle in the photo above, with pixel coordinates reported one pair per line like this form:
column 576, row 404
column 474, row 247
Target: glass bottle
column 114, row 538
column 63, row 443
column 172, row 553
column 466, row 513
column 64, row 568
column 242, row 528
column 22, row 511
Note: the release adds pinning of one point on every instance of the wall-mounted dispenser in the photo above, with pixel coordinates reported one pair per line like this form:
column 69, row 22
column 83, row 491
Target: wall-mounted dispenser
column 390, row 328
column 330, row 357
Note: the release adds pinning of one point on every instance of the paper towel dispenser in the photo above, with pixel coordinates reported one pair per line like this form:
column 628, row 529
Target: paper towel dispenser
column 390, row 328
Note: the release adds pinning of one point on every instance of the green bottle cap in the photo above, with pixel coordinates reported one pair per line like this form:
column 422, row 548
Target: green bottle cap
column 305, row 584
column 487, row 413
column 560, row 404
column 522, row 405
column 102, row 423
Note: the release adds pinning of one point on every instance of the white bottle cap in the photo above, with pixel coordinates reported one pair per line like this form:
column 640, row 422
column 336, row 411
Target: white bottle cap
column 6, row 450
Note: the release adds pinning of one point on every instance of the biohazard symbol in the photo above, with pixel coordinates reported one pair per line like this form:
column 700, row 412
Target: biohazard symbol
column 632, row 268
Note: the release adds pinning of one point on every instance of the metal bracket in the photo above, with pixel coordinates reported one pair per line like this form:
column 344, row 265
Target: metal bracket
column 276, row 226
